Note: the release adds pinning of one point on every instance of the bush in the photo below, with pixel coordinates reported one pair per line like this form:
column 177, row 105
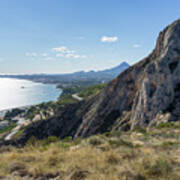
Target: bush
column 168, row 144
column 8, row 128
column 77, row 141
column 64, row 145
column 161, row 167
column 140, row 129
column 50, row 139
column 120, row 142
column 113, row 134
column 168, row 125
column 95, row 141
column 13, row 113
column 16, row 166
column 113, row 158
column 92, row 90
column 31, row 141
column 67, row 139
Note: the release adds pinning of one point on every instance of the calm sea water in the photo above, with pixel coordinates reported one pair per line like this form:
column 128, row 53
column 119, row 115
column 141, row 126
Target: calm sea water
column 17, row 93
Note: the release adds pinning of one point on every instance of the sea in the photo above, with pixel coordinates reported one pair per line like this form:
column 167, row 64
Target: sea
column 16, row 93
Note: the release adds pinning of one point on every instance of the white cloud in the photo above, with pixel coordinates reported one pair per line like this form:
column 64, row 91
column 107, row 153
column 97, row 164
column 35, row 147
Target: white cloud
column 72, row 56
column 75, row 56
column 59, row 55
column 30, row 54
column 44, row 54
column 136, row 45
column 109, row 39
column 49, row 58
column 63, row 51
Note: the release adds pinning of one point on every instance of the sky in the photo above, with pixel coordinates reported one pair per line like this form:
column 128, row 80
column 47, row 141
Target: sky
column 63, row 36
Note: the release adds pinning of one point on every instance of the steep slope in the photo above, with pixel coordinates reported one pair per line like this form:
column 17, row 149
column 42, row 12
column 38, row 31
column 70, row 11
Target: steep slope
column 143, row 95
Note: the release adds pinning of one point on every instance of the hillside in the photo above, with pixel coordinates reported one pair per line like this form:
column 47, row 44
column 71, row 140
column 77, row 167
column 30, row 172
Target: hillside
column 144, row 95
column 141, row 155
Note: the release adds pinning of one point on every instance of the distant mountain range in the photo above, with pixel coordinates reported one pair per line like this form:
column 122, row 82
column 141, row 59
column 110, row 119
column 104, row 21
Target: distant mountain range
column 81, row 76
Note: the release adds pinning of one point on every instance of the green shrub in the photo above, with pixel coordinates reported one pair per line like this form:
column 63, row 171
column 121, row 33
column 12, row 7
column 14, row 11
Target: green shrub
column 95, row 140
column 120, row 142
column 12, row 113
column 139, row 177
column 77, row 141
column 167, row 144
column 64, row 144
column 92, row 90
column 113, row 134
column 140, row 129
column 168, row 125
column 66, row 99
column 50, row 139
column 8, row 128
column 32, row 141
column 67, row 139
column 161, row 167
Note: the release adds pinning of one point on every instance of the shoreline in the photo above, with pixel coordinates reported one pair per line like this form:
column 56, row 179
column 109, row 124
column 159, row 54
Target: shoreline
column 4, row 111
column 33, row 80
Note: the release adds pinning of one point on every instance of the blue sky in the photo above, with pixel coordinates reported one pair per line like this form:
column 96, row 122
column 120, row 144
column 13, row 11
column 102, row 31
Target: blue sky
column 60, row 36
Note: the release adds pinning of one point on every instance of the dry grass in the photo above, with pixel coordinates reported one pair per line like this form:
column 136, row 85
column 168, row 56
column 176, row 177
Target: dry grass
column 132, row 156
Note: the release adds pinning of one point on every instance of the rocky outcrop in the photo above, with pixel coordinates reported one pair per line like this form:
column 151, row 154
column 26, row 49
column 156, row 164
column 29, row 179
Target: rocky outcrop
column 139, row 95
column 144, row 94
column 147, row 89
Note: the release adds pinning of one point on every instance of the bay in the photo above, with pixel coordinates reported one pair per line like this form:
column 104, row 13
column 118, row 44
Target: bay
column 19, row 93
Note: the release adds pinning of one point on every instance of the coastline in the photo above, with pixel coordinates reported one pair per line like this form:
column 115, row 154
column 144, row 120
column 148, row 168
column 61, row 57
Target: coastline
column 4, row 111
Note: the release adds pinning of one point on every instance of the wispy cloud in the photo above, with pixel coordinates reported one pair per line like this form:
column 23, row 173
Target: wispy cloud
column 109, row 39
column 75, row 56
column 30, row 54
column 63, row 51
column 44, row 54
column 136, row 45
column 49, row 58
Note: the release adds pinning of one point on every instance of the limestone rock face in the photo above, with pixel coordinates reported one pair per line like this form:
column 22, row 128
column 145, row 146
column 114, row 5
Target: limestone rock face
column 144, row 90
column 159, row 88
column 144, row 94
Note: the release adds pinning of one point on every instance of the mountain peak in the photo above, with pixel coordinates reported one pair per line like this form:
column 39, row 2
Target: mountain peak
column 124, row 63
column 168, row 39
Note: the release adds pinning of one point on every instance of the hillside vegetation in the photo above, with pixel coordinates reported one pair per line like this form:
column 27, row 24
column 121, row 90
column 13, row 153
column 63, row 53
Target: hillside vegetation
column 44, row 111
column 134, row 155
column 92, row 90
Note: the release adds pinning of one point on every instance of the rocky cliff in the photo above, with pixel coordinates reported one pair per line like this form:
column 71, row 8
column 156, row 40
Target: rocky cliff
column 143, row 95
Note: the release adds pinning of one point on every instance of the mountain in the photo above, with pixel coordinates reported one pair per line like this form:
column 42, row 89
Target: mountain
column 81, row 76
column 117, row 69
column 144, row 95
